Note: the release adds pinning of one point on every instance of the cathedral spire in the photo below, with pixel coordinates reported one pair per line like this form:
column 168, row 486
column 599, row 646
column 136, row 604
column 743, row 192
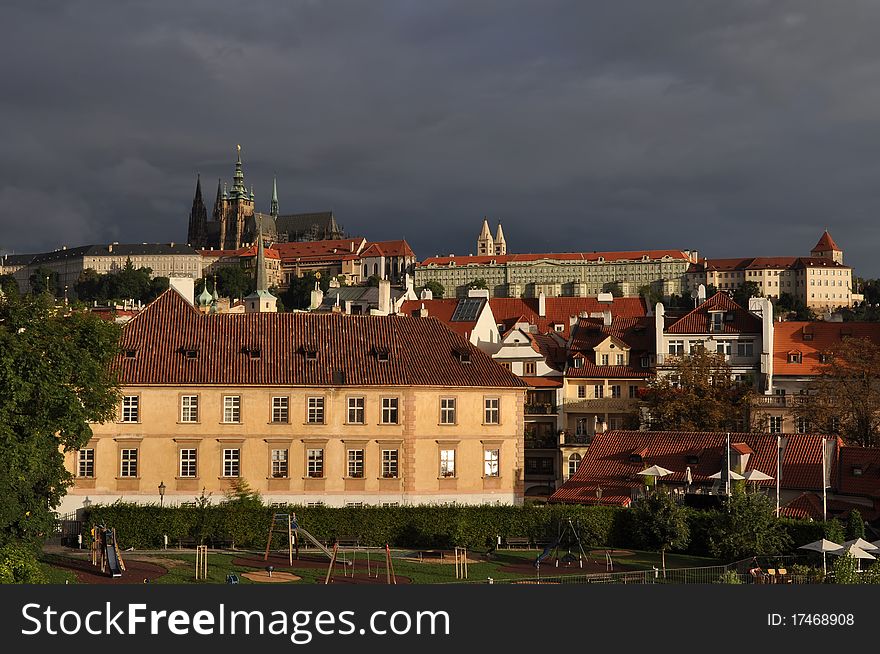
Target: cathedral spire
column 198, row 218
column 273, row 208
column 238, row 189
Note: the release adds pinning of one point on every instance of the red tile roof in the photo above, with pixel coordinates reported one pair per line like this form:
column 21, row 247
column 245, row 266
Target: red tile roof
column 559, row 310
column 319, row 250
column 399, row 248
column 821, row 337
column 543, row 382
column 442, row 310
column 423, row 352
column 270, row 252
column 761, row 263
column 825, row 243
column 636, row 333
column 639, row 255
column 607, row 462
column 808, row 506
column 867, row 461
column 698, row 321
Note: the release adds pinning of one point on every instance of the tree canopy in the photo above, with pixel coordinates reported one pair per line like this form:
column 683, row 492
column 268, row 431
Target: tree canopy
column 696, row 392
column 55, row 378
column 436, row 289
column 661, row 524
column 130, row 283
column 747, row 526
column 299, row 294
column 844, row 398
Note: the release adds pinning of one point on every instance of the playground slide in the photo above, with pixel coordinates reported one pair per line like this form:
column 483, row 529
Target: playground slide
column 112, row 558
column 543, row 556
column 315, row 542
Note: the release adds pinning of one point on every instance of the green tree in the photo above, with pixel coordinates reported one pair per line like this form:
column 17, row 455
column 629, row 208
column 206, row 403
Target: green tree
column 652, row 294
column 436, row 289
column 696, row 392
column 8, row 285
column 235, row 282
column 56, row 377
column 747, row 526
column 711, row 290
column 373, row 280
column 479, row 283
column 661, row 524
column 614, row 288
column 845, row 397
column 158, row 285
column 19, row 565
column 855, row 525
column 846, row 570
column 745, row 292
column 793, row 308
column 44, row 280
column 299, row 294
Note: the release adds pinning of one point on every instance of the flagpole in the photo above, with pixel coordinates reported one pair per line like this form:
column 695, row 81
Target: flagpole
column 824, row 490
column 727, row 463
column 778, row 470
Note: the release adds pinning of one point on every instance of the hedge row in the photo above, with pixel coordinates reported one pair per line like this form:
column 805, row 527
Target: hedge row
column 246, row 525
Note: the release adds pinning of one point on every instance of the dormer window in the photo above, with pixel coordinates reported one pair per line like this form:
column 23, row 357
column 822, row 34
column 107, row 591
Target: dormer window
column 382, row 354
column 692, row 459
column 636, row 457
column 716, row 321
column 310, row 352
column 190, row 353
column 130, row 354
column 559, row 327
column 463, row 354
column 795, row 357
column 253, row 353
column 808, row 336
column 824, row 357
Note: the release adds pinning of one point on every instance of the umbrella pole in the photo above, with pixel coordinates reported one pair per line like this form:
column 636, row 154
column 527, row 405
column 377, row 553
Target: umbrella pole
column 824, row 564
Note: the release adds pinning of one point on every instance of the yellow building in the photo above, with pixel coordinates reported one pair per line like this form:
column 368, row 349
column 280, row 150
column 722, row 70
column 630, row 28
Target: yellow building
column 307, row 408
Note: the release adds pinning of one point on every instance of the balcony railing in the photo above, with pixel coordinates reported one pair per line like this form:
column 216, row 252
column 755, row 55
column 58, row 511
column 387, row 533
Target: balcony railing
column 601, row 405
column 540, row 409
column 779, row 400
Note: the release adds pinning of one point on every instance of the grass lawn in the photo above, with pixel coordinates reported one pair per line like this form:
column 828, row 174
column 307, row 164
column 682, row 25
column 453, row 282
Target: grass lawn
column 55, row 575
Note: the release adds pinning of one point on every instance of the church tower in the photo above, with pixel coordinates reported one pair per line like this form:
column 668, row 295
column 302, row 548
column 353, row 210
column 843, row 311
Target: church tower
column 826, row 248
column 500, row 243
column 233, row 208
column 485, row 244
column 198, row 219
column 273, row 208
column 261, row 300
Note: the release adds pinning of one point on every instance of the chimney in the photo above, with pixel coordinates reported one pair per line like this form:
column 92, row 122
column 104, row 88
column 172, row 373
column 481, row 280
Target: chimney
column 423, row 312
column 427, row 294
column 606, row 317
column 384, row 297
column 110, row 248
column 600, row 425
column 542, row 305
column 186, row 287
column 317, row 297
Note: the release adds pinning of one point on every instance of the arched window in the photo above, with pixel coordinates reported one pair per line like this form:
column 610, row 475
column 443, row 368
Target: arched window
column 376, row 269
column 574, row 460
column 366, row 271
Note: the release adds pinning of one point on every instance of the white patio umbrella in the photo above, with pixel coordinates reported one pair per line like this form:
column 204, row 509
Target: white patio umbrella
column 862, row 544
column 733, row 475
column 876, row 543
column 756, row 475
column 858, row 553
column 656, row 471
column 824, row 546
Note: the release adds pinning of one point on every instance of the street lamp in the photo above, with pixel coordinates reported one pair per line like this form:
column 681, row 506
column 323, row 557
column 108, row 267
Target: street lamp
column 87, row 502
column 161, row 493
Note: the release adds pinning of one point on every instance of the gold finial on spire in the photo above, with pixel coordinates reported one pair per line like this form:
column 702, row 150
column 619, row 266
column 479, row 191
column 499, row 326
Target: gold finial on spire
column 238, row 148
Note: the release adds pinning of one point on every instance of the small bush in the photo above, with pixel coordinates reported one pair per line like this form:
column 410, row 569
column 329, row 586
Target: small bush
column 19, row 565
column 729, row 577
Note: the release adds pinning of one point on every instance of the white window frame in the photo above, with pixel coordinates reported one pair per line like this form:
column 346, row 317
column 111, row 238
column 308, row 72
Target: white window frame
column 447, row 411
column 189, row 408
column 574, row 463
column 231, row 462
column 187, row 463
column 280, row 459
column 447, row 463
column 492, row 410
column 85, row 461
column 315, row 463
column 315, row 410
column 281, row 409
column 232, row 409
column 390, row 463
column 357, row 413
column 128, row 463
column 774, row 424
column 492, row 462
column 390, row 410
column 131, row 408
column 354, row 463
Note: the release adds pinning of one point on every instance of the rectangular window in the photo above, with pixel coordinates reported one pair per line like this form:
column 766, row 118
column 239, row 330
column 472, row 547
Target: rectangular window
column 356, row 410
column 231, row 408
column 598, row 391
column 447, row 411
column 187, row 467
column 85, row 463
column 676, row 347
column 802, row 425
column 615, row 391
column 717, row 321
column 389, row 411
column 447, row 463
column 389, row 464
column 604, row 359
column 529, row 368
column 490, row 463
column 315, row 463
column 130, row 408
column 620, row 360
column 492, row 413
column 279, row 464
column 189, row 408
column 582, row 390
column 356, row 463
column 231, row 462
column 129, row 463
column 745, row 348
column 315, row 415
column 775, row 424
column 281, row 409
column 633, row 392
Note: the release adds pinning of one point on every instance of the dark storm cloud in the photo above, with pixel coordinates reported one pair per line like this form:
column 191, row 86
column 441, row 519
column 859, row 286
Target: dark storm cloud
column 737, row 128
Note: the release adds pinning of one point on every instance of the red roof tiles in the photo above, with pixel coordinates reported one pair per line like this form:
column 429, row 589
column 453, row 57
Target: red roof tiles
column 698, row 321
column 559, row 310
column 608, row 464
column 825, row 243
column 639, row 255
column 813, row 339
column 422, row 351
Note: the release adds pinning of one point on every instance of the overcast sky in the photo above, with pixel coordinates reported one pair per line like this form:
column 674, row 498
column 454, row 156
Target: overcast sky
column 734, row 127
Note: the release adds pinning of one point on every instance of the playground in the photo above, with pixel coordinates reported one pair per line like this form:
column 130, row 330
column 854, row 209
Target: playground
column 293, row 555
